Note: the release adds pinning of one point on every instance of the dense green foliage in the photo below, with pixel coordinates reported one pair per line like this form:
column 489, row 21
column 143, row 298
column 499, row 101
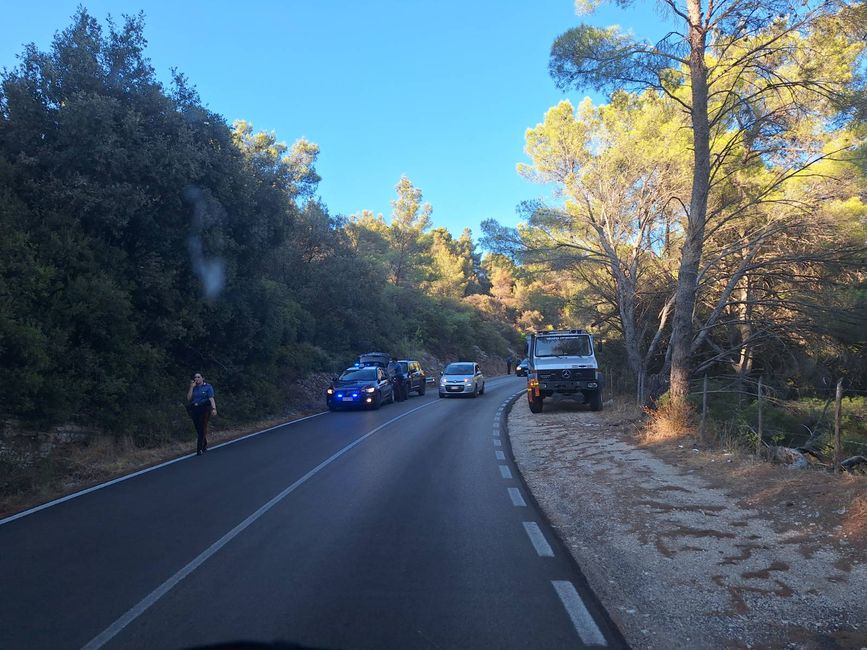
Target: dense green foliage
column 143, row 238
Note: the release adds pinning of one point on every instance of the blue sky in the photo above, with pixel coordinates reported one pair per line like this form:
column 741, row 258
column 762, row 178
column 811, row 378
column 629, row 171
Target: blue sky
column 441, row 92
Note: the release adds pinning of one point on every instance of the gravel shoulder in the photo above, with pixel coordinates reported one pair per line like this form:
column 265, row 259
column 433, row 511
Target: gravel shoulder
column 693, row 548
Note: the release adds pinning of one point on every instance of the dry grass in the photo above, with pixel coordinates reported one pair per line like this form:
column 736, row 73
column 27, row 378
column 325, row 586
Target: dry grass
column 669, row 422
column 855, row 522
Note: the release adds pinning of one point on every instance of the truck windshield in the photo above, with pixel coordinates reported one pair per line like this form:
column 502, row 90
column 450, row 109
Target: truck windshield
column 563, row 346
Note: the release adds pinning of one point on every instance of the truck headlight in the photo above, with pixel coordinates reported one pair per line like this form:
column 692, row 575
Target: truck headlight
column 370, row 389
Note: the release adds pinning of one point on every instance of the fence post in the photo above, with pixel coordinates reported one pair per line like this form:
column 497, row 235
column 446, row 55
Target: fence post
column 703, row 407
column 838, row 408
column 759, row 440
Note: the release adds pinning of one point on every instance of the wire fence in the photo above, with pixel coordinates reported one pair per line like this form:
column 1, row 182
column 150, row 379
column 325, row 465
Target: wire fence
column 826, row 422
column 830, row 425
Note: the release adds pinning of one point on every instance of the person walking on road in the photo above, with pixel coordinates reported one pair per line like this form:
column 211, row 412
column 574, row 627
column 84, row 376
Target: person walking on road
column 201, row 406
column 509, row 362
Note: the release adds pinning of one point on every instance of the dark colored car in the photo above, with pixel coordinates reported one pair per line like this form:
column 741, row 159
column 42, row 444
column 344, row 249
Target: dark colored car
column 416, row 380
column 368, row 387
column 377, row 359
column 521, row 368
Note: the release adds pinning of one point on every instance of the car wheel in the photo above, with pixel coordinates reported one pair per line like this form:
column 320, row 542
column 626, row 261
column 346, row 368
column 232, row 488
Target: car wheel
column 482, row 392
column 391, row 399
column 331, row 406
column 422, row 388
column 441, row 395
column 377, row 402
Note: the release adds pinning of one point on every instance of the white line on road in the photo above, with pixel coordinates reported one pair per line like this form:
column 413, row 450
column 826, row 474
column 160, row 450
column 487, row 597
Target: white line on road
column 75, row 495
column 517, row 499
column 505, row 472
column 115, row 628
column 539, row 542
column 500, row 455
column 498, row 442
column 581, row 618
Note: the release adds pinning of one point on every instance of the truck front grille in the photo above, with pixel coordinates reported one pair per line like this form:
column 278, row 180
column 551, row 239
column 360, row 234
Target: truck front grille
column 574, row 374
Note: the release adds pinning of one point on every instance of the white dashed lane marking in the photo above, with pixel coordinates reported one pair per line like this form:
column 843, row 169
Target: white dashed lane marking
column 538, row 539
column 517, row 499
column 581, row 618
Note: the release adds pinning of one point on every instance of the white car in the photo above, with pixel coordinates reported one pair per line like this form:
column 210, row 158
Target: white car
column 462, row 378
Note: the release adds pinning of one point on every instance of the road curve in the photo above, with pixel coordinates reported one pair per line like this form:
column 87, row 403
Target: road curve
column 406, row 527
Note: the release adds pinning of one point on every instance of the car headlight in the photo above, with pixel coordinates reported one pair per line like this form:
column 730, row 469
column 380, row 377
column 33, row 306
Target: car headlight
column 466, row 381
column 330, row 391
column 370, row 389
column 442, row 381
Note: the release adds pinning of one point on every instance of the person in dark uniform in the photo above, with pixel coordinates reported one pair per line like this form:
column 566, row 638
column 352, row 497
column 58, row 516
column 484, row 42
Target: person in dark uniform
column 509, row 362
column 201, row 406
column 398, row 380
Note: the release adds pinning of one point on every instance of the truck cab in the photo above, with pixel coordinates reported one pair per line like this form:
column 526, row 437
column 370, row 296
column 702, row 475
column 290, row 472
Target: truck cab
column 563, row 363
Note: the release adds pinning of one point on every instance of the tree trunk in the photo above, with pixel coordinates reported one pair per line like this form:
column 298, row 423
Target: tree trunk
column 687, row 279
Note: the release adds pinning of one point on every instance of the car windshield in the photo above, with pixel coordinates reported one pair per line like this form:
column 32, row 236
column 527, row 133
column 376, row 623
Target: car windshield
column 557, row 346
column 458, row 369
column 358, row 374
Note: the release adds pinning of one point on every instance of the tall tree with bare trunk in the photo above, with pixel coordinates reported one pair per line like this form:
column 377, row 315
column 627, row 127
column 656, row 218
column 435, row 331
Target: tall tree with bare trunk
column 746, row 72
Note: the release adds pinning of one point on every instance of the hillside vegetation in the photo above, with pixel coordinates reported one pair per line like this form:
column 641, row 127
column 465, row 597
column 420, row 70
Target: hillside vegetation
column 143, row 238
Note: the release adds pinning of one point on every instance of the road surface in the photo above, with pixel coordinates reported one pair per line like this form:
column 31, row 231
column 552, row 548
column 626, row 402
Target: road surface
column 406, row 527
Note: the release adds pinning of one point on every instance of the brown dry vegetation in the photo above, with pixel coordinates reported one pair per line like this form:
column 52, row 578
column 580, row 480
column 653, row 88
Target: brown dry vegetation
column 835, row 503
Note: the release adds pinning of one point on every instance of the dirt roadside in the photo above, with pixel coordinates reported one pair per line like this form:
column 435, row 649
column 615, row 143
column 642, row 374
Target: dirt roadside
column 692, row 548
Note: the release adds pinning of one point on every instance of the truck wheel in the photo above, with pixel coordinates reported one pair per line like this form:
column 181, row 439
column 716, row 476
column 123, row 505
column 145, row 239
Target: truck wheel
column 535, row 403
column 596, row 400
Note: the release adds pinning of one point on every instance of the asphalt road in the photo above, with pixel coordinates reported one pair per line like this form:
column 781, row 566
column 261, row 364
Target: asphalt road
column 406, row 527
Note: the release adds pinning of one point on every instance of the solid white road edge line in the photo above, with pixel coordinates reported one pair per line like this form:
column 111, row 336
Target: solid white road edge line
column 581, row 618
column 120, row 479
column 538, row 539
column 137, row 610
column 517, row 499
column 505, row 472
